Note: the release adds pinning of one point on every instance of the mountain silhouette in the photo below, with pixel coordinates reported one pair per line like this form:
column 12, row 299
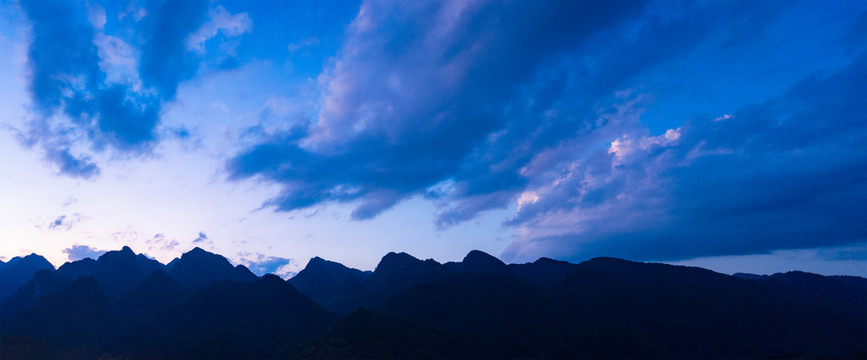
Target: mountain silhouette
column 203, row 307
column 42, row 283
column 660, row 310
column 197, row 268
column 497, row 315
column 332, row 285
column 398, row 271
column 17, row 271
column 545, row 273
column 152, row 295
column 75, row 321
column 115, row 271
column 364, row 334
column 478, row 262
column 232, row 319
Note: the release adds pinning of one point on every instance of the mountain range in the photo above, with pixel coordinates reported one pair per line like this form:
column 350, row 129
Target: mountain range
column 126, row 305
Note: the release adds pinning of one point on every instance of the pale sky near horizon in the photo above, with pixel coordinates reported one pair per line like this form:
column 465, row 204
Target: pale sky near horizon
column 724, row 134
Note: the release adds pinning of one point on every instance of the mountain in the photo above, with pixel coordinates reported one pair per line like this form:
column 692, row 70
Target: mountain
column 42, row 283
column 172, row 263
column 497, row 316
column 478, row 262
column 364, row 334
column 155, row 293
column 75, row 322
column 77, row 269
column 835, row 291
column 544, row 273
column 398, row 271
column 332, row 285
column 197, row 268
column 16, row 272
column 116, row 272
column 631, row 309
column 231, row 319
column 342, row 290
column 203, row 307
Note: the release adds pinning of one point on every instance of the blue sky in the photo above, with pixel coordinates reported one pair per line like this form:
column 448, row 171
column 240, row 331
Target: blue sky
column 723, row 134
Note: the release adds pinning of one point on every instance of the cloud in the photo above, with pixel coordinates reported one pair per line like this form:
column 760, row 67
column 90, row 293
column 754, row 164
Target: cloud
column 67, row 79
column 64, row 222
column 270, row 265
column 93, row 91
column 415, row 98
column 478, row 106
column 202, row 237
column 161, row 242
column 79, row 166
column 78, row 252
column 221, row 22
column 782, row 174
column 57, row 222
column 165, row 59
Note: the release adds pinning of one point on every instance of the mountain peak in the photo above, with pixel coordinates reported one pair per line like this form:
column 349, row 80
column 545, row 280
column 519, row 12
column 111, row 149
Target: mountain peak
column 197, row 268
column 116, row 271
column 604, row 262
column 397, row 271
column 124, row 253
column 477, row 253
column 479, row 262
column 18, row 271
column 198, row 250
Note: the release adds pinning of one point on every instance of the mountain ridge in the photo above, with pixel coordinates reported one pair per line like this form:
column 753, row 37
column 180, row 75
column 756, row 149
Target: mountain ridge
column 204, row 307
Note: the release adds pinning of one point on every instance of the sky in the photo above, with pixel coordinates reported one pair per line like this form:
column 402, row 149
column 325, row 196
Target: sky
column 722, row 134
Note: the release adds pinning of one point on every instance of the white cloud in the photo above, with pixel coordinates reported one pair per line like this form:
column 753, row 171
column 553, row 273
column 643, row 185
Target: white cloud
column 118, row 60
column 96, row 16
column 221, row 21
column 78, row 252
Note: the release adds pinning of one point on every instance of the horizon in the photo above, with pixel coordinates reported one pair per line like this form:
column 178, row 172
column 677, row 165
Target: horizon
column 725, row 135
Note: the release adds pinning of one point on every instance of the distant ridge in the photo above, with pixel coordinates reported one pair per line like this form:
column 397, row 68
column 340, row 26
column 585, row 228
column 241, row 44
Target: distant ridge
column 125, row 305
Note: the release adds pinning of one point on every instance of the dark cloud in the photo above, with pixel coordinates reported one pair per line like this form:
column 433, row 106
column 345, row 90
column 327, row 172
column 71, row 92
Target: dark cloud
column 79, row 106
column 465, row 96
column 477, row 105
column 202, row 237
column 418, row 91
column 67, row 79
column 165, row 60
column 57, row 222
column 78, row 252
column 80, row 166
column 784, row 174
column 64, row 222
